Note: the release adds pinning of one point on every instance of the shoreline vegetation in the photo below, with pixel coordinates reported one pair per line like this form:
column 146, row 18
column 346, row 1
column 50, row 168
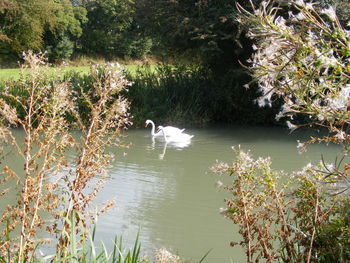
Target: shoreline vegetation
column 7, row 74
column 194, row 96
column 296, row 72
column 45, row 107
column 302, row 57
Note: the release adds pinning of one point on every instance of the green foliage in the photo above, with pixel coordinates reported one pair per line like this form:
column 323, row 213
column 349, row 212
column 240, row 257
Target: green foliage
column 301, row 57
column 112, row 30
column 191, row 25
column 86, row 250
column 63, row 50
column 134, row 46
column 170, row 94
column 285, row 217
column 202, row 31
column 24, row 23
column 193, row 95
column 38, row 24
column 333, row 238
column 66, row 28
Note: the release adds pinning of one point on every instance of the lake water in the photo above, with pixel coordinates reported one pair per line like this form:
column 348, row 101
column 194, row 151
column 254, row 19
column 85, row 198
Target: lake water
column 168, row 193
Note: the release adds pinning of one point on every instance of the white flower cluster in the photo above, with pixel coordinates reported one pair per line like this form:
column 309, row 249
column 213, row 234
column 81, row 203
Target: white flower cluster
column 164, row 256
column 304, row 59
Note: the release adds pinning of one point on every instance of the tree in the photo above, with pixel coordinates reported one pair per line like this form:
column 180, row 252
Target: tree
column 39, row 24
column 4, row 6
column 62, row 36
column 115, row 29
column 24, row 24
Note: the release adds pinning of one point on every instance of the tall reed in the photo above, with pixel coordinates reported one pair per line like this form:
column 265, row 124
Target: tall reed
column 170, row 94
column 281, row 217
column 194, row 95
column 44, row 186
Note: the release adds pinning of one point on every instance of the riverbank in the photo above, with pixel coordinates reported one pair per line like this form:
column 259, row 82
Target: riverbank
column 14, row 73
column 186, row 95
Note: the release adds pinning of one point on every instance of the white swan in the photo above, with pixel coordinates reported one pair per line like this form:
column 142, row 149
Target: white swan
column 169, row 130
column 178, row 137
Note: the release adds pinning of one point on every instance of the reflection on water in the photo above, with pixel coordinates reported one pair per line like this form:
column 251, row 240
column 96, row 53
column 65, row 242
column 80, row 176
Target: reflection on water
column 169, row 144
column 167, row 191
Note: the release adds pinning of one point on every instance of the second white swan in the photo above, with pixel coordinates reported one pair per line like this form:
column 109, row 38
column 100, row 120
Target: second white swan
column 178, row 137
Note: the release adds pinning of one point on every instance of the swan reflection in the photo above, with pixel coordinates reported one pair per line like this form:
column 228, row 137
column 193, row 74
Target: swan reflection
column 173, row 145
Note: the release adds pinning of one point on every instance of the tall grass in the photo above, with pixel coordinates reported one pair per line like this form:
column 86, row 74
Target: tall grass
column 39, row 104
column 84, row 249
column 193, row 95
column 87, row 251
column 171, row 94
column 176, row 94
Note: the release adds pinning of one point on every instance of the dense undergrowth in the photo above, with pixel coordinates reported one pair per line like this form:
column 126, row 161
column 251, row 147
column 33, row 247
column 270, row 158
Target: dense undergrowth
column 186, row 95
column 193, row 95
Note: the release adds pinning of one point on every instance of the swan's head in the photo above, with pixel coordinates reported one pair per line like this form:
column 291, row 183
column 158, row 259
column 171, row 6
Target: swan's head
column 147, row 122
column 160, row 128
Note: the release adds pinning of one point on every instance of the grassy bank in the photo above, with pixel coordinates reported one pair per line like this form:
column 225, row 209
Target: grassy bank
column 14, row 73
column 186, row 95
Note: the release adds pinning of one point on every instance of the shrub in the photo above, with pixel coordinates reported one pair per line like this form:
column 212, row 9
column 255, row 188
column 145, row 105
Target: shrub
column 49, row 183
column 301, row 57
column 62, row 51
column 281, row 217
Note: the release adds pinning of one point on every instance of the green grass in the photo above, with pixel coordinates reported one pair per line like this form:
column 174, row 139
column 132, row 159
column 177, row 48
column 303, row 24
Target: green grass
column 14, row 73
column 9, row 74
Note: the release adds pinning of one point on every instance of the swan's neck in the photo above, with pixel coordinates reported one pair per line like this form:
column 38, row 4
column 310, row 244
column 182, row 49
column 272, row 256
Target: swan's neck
column 153, row 128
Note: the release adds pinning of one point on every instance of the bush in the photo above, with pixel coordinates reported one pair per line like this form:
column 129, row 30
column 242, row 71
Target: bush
column 301, row 58
column 170, row 94
column 284, row 217
column 62, row 51
column 134, row 46
column 49, row 183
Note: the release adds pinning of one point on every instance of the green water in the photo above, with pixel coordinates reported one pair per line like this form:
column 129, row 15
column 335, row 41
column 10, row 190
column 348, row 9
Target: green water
column 168, row 192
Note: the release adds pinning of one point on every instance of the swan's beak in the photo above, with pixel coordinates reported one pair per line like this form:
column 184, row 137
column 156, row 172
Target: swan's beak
column 146, row 124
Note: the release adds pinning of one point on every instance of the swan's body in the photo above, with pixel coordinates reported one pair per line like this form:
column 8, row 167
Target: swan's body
column 169, row 130
column 178, row 137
